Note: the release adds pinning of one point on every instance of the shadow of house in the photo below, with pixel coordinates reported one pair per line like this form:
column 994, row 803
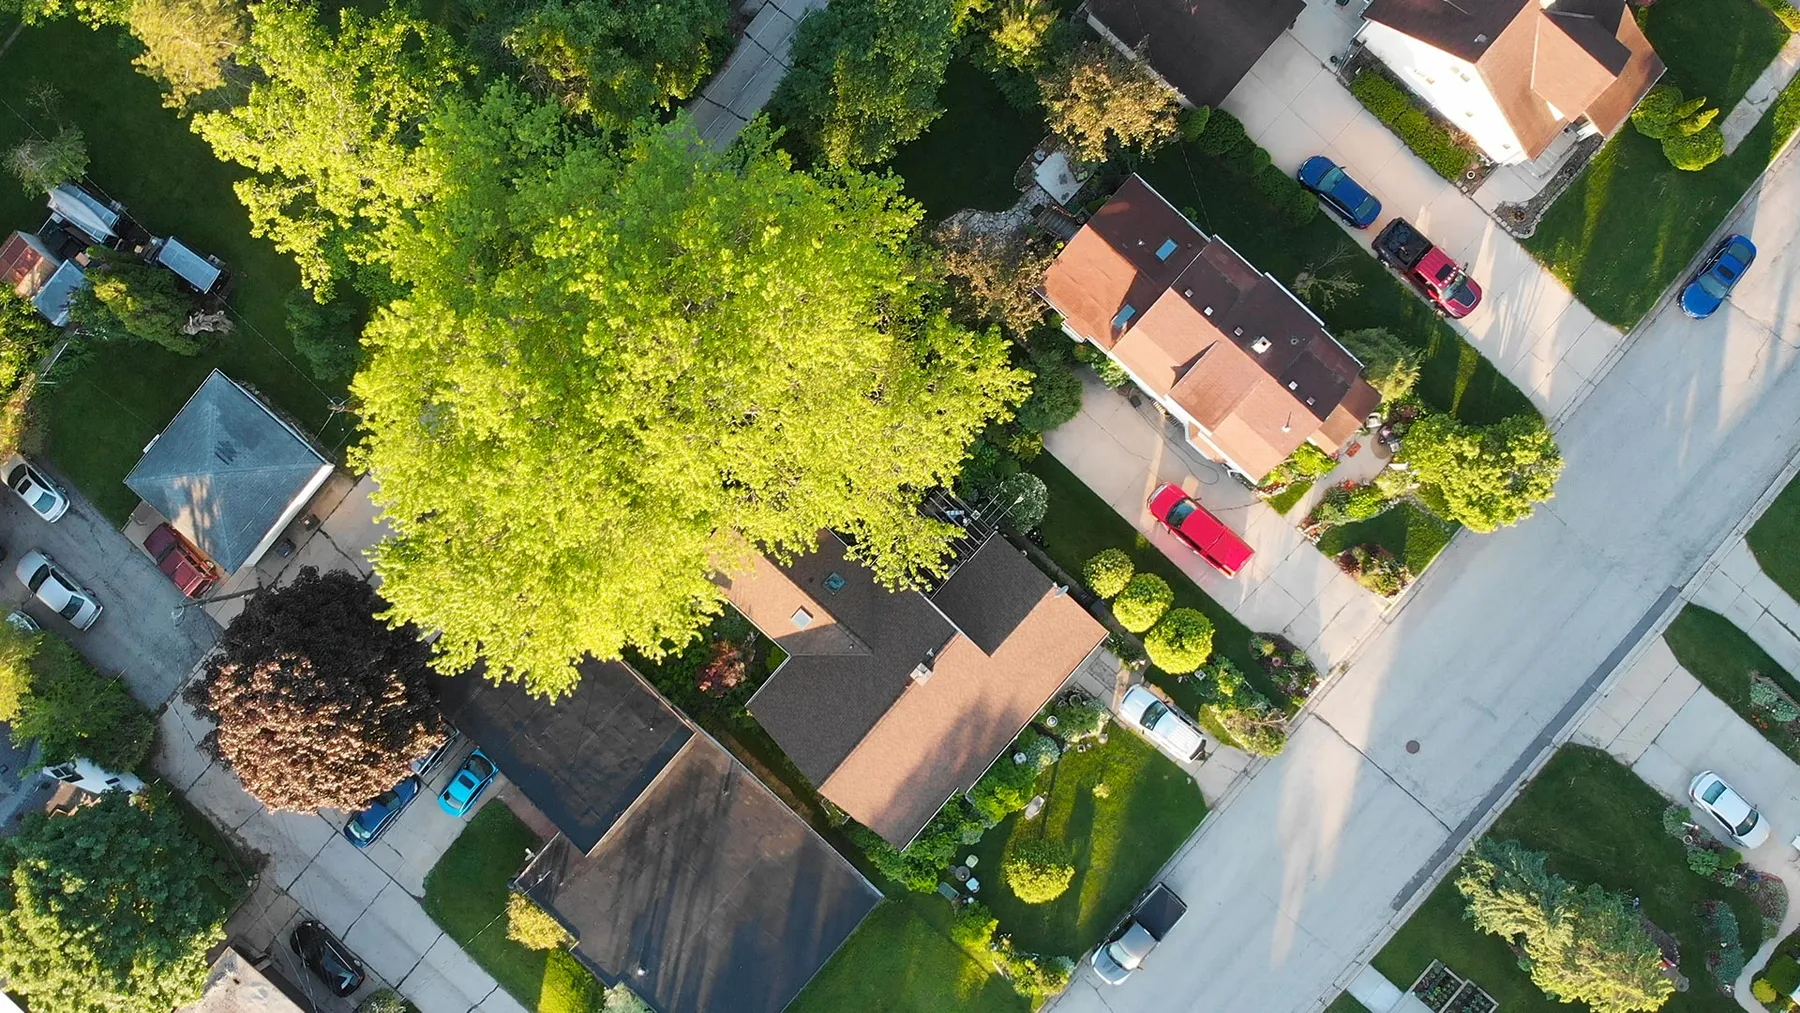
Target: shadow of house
column 678, row 872
column 1200, row 48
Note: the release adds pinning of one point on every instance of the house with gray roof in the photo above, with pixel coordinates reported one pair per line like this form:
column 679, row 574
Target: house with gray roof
column 229, row 473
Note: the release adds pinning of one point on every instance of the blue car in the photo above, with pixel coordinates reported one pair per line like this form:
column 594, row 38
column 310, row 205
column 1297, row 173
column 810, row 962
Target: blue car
column 476, row 773
column 381, row 812
column 1341, row 194
column 1718, row 276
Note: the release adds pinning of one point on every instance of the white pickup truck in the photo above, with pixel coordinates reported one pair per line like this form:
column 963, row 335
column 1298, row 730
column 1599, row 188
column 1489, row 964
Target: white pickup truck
column 1149, row 923
column 1162, row 724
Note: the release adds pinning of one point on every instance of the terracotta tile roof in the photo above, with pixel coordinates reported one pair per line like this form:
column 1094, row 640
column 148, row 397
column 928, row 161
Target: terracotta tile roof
column 1202, row 47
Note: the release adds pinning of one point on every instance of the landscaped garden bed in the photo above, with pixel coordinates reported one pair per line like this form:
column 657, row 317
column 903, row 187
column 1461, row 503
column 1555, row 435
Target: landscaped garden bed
column 1776, row 981
column 1716, row 652
column 1443, row 991
column 1449, row 152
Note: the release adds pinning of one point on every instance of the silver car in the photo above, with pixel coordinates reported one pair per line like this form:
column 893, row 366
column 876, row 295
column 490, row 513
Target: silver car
column 38, row 492
column 1162, row 724
column 55, row 588
column 1721, row 801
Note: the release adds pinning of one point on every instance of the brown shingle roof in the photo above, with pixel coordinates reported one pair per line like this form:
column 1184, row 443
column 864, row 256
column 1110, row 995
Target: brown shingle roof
column 1114, row 263
column 1202, row 47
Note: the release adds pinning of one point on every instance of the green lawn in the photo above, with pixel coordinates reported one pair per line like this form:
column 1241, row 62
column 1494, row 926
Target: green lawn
column 1722, row 656
column 1599, row 824
column 465, row 893
column 99, row 418
column 1631, row 223
column 1454, row 376
column 1773, row 539
column 1284, row 500
column 1119, row 842
column 967, row 158
column 898, row 962
column 1346, row 1003
column 1407, row 530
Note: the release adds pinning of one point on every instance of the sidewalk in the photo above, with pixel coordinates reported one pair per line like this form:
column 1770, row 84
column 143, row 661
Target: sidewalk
column 1528, row 324
column 752, row 73
column 1742, row 593
column 1748, row 112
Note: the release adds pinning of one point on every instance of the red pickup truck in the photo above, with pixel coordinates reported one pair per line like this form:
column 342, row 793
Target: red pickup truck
column 181, row 562
column 1199, row 529
column 1431, row 270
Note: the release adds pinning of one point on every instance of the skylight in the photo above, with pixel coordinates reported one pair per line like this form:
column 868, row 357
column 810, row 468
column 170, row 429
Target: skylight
column 1163, row 251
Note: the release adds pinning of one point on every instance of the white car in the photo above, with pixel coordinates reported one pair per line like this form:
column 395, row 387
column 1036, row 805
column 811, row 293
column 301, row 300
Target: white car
column 1162, row 724
column 55, row 588
column 38, row 492
column 1740, row 819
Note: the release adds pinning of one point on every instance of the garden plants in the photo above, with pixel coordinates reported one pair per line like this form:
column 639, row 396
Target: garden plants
column 1038, row 870
column 1143, row 601
column 1181, row 642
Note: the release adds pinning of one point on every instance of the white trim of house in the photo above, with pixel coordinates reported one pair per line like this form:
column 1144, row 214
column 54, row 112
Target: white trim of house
column 1451, row 85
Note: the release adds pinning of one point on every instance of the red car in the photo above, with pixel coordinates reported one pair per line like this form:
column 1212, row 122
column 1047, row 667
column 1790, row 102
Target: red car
column 181, row 562
column 1431, row 270
column 1204, row 533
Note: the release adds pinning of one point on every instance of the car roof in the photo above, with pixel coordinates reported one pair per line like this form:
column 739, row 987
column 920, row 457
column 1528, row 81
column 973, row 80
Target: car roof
column 1731, row 807
column 1216, row 541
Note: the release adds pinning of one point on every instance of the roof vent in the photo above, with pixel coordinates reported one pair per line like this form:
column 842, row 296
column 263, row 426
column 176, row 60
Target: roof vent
column 834, row 582
column 802, row 618
column 1293, row 385
column 1188, row 292
column 1479, row 39
column 1294, row 340
column 1208, row 311
column 1310, row 402
column 921, row 672
column 1238, row 331
column 1260, row 345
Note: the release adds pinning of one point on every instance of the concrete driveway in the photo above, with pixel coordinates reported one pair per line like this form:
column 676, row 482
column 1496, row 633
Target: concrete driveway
column 138, row 634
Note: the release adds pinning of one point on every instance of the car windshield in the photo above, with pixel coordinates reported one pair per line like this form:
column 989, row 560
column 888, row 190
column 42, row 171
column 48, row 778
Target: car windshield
column 1180, row 512
column 1367, row 208
column 480, row 767
column 1713, row 286
column 1743, row 829
column 342, row 975
column 72, row 609
column 1331, row 179
column 38, row 577
column 1712, row 792
column 1153, row 714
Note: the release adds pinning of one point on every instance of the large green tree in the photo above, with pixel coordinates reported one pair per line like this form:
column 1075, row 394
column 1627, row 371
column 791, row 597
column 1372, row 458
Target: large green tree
column 24, row 336
column 1485, row 476
column 330, row 129
column 865, row 76
column 109, row 909
column 619, row 371
column 73, row 711
column 188, row 44
column 129, row 299
column 1099, row 100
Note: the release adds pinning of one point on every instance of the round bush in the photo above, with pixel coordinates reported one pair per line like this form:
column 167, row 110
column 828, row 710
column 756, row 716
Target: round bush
column 1272, row 183
column 1193, row 122
column 1107, row 573
column 1055, row 396
column 1223, row 133
column 1181, row 642
column 1038, row 870
column 531, row 926
column 1763, row 991
column 1656, row 113
column 1693, row 152
column 1143, row 601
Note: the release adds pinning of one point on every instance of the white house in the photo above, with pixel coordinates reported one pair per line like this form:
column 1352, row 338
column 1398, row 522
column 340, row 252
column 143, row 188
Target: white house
column 1516, row 74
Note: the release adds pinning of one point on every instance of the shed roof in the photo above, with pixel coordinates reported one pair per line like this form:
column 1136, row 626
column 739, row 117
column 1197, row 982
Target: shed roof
column 1202, row 47
column 52, row 299
column 235, row 985
column 190, row 266
column 83, row 210
column 226, row 471
column 26, row 263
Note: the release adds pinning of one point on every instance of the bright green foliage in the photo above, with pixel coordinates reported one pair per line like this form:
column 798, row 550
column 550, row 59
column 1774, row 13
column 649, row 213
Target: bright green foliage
column 1784, row 12
column 531, row 926
column 130, row 299
column 973, row 928
column 1390, row 365
column 925, row 859
column 1019, row 32
column 1079, row 719
column 40, row 163
column 1193, row 122
column 864, row 76
column 17, row 648
column 1142, row 602
column 1181, row 642
column 611, row 61
column 329, row 130
column 188, row 44
column 1107, row 572
column 1038, row 870
column 385, row 1000
column 1702, row 862
column 24, row 335
column 1033, row 975
column 109, row 909
column 1098, row 100
column 1655, row 114
column 1583, row 945
column 1005, row 789
column 73, row 711
column 615, row 374
column 1487, row 476
column 1695, row 151
column 1446, row 152
column 325, row 335
column 1022, row 501
column 1762, row 991
column 1055, row 394
column 1697, row 122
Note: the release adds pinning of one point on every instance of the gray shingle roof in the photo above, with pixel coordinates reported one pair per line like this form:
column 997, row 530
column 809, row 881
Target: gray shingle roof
column 225, row 471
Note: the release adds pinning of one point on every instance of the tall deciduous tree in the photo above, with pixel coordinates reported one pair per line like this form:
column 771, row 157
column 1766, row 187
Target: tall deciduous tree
column 865, row 76
column 318, row 702
column 73, row 711
column 1487, row 476
column 330, row 129
column 41, row 163
column 617, row 372
column 109, row 909
column 1097, row 98
column 188, row 44
column 17, row 648
column 24, row 335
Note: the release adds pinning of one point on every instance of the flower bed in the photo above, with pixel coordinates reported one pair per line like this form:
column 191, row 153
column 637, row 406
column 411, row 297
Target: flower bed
column 1437, row 986
column 1471, row 999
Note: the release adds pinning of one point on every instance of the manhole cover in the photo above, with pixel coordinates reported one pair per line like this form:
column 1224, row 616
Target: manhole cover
column 1412, row 745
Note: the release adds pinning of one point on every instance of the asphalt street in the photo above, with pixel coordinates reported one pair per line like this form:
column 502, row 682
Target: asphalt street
column 1295, row 877
column 138, row 634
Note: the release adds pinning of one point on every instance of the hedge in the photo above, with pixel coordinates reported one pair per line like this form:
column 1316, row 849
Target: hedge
column 1784, row 12
column 1440, row 149
column 1223, row 133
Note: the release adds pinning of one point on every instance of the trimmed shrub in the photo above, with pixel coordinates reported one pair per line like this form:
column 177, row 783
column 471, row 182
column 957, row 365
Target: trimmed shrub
column 1272, row 182
column 1006, row 788
column 973, row 927
column 1055, row 395
column 1181, row 642
column 1693, row 152
column 1038, row 870
column 1444, row 151
column 1143, row 601
column 1193, row 122
column 1784, row 12
column 1697, row 122
column 1107, row 572
column 1655, row 114
column 531, row 926
column 1111, row 373
column 1297, row 205
column 1784, row 973
column 1686, row 109
column 1223, row 133
column 1034, row 976
column 1763, row 991
column 1079, row 719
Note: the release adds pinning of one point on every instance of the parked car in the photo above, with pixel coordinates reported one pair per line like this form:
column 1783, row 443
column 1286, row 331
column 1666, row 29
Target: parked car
column 1164, row 725
column 329, row 960
column 382, row 811
column 38, row 492
column 1431, row 270
column 472, row 778
column 424, row 765
column 1148, row 924
column 90, row 776
column 1204, row 533
column 1720, row 801
column 1344, row 196
column 54, row 587
column 180, row 561
column 1718, row 275
column 22, row 621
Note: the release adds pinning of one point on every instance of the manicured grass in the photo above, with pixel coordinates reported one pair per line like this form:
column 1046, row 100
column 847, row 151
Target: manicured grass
column 1723, row 657
column 967, row 158
column 1600, row 824
column 465, row 893
column 1284, row 500
column 1453, row 378
column 898, row 962
column 1773, row 539
column 98, row 419
column 1118, row 842
column 1407, row 530
column 1346, row 1003
column 1631, row 223
column 1079, row 524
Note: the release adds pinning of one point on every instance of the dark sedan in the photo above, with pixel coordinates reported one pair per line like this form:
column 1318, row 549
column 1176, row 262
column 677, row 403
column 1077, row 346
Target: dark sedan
column 329, row 960
column 1724, row 266
column 1343, row 195
column 381, row 812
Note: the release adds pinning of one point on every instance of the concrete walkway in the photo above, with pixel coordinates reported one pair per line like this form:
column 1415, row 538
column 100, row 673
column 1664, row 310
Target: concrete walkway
column 1375, row 992
column 1528, row 324
column 1749, row 111
column 1741, row 592
column 752, row 73
column 1288, row 587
